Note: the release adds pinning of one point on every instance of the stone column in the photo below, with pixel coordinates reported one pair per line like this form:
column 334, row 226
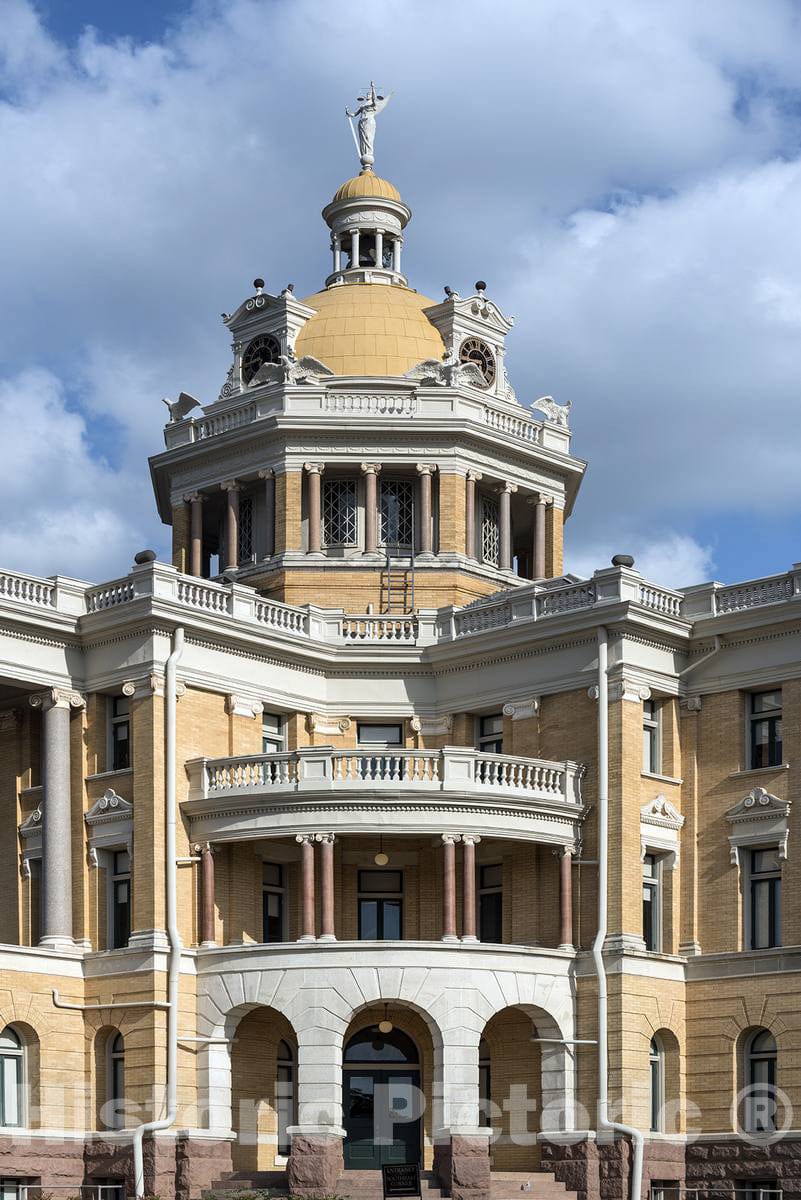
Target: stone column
column 370, row 472
column 336, row 246
column 449, row 841
column 425, row 471
column 469, row 841
column 315, row 471
column 56, row 899
column 505, row 532
column 195, row 502
column 396, row 255
column 326, row 841
column 269, row 511
column 207, row 899
column 231, row 524
column 307, row 931
column 566, row 899
column 539, row 536
column 470, row 515
column 379, row 248
column 354, row 248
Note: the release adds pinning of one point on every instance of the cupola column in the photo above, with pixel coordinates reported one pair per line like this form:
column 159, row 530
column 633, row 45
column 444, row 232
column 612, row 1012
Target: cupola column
column 505, row 532
column 354, row 248
column 469, row 841
column 336, row 246
column 307, row 924
column 269, row 511
column 315, row 471
column 195, row 502
column 370, row 472
column 540, row 503
column 396, row 255
column 449, row 841
column 326, row 841
column 379, row 247
column 470, row 513
column 231, row 524
column 56, row 922
column 425, row 471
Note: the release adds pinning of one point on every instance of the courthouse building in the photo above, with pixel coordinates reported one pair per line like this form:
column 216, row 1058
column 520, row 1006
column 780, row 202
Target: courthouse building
column 303, row 832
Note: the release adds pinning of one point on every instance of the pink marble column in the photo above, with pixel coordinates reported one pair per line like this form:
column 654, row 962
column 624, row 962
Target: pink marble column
column 207, row 897
column 566, row 899
column 469, row 841
column 449, row 841
column 326, row 841
column 470, row 513
column 195, row 501
column 315, row 471
column 370, row 472
column 425, row 471
column 307, row 921
column 231, row 524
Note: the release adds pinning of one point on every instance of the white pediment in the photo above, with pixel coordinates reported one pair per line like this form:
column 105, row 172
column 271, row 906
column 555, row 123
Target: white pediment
column 109, row 825
column 660, row 827
column 110, row 807
column 759, row 819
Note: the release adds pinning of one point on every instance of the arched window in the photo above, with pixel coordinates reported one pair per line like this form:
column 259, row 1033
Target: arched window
column 484, row 1083
column 285, row 1095
column 370, row 1045
column 656, row 1065
column 11, row 1078
column 116, row 1081
column 760, row 1082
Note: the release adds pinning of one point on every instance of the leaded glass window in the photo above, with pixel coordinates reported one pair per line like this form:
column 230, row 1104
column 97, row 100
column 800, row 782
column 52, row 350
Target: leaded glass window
column 339, row 512
column 490, row 530
column 396, row 513
column 245, row 549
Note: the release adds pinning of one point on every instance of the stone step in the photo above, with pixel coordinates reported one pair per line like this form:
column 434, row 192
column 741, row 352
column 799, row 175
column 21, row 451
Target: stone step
column 367, row 1185
column 241, row 1181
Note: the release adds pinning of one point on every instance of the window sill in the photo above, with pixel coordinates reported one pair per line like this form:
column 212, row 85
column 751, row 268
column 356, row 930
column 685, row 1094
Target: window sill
column 109, row 774
column 661, row 778
column 759, row 770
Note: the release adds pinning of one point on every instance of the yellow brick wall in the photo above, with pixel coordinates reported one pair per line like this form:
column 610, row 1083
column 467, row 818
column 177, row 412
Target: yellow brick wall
column 254, row 1061
column 181, row 536
column 288, row 485
column 554, row 541
column 515, row 1073
column 452, row 512
column 354, row 590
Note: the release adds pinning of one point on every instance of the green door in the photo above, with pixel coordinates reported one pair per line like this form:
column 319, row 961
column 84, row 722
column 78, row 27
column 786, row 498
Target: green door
column 377, row 1108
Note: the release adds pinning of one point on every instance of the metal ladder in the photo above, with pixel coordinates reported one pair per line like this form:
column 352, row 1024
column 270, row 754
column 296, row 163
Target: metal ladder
column 399, row 583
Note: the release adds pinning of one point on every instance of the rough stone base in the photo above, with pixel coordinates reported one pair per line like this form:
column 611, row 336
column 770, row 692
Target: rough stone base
column 175, row 1168
column 315, row 1164
column 463, row 1167
column 713, row 1167
column 575, row 1165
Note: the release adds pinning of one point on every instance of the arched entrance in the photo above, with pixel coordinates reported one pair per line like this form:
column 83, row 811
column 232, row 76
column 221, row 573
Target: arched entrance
column 381, row 1097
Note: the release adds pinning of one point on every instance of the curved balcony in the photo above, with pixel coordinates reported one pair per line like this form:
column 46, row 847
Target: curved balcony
column 414, row 791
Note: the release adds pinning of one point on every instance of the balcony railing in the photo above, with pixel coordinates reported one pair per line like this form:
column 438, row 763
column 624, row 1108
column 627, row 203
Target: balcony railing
column 451, row 769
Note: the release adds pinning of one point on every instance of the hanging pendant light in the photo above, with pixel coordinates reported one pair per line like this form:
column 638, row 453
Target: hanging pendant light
column 381, row 859
column 386, row 1025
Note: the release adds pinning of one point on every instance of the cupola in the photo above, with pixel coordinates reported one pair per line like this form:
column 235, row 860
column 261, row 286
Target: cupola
column 366, row 217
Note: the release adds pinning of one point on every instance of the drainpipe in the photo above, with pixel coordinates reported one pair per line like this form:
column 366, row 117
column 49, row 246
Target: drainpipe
column 636, row 1136
column 172, row 923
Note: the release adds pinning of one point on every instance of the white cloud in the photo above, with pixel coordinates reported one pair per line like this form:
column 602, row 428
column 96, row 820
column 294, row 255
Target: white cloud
column 622, row 174
column 673, row 559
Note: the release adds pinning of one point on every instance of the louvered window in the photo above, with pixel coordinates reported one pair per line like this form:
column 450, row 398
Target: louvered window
column 339, row 512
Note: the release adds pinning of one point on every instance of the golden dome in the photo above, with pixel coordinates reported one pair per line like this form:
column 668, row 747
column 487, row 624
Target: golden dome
column 369, row 329
column 367, row 184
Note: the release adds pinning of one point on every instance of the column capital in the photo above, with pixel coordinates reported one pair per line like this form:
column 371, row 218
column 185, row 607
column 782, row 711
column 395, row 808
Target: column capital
column 450, row 839
column 203, row 848
column 230, row 485
column 471, row 839
column 330, row 838
column 57, row 698
column 314, row 468
column 308, row 838
column 508, row 487
column 368, row 468
column 192, row 497
column 426, row 468
column 563, row 851
column 267, row 473
column 474, row 476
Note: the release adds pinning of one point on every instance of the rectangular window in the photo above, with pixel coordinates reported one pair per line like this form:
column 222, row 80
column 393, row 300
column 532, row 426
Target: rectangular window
column 765, row 895
column 273, row 736
column 765, row 729
column 665, row 1189
column 396, row 513
column 245, row 529
column 652, row 902
column 379, row 735
column 651, row 738
column 380, row 906
column 490, row 903
column 120, row 899
column 273, row 902
column 490, row 734
column 757, row 1189
column 339, row 512
column 120, row 721
column 490, row 531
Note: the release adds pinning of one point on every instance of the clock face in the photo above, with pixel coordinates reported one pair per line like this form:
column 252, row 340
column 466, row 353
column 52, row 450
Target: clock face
column 261, row 350
column 475, row 351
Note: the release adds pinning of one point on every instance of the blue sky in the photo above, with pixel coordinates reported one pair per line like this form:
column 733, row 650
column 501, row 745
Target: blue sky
column 625, row 174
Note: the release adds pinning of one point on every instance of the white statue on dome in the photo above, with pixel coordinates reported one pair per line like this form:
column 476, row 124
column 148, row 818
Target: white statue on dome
column 369, row 108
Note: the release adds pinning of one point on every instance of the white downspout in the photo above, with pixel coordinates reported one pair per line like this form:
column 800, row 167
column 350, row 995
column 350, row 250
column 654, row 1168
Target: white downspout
column 172, row 922
column 637, row 1138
